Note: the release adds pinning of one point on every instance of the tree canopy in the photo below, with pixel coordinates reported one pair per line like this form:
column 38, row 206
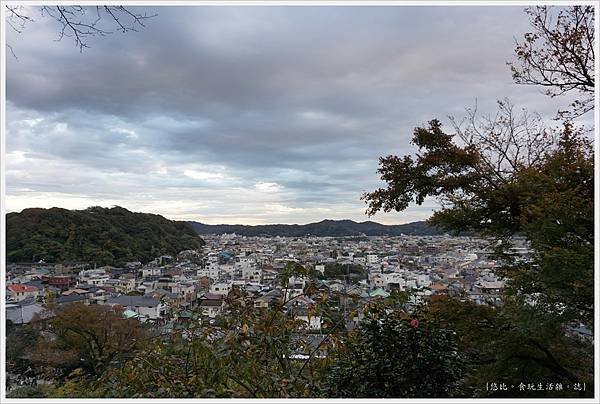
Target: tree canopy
column 392, row 355
column 510, row 175
column 94, row 235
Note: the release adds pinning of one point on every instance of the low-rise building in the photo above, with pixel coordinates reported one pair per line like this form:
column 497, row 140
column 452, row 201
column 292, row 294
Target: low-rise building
column 96, row 277
column 145, row 306
column 19, row 292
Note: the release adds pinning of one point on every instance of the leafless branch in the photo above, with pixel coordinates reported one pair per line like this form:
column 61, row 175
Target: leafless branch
column 16, row 19
column 82, row 22
column 508, row 141
column 559, row 54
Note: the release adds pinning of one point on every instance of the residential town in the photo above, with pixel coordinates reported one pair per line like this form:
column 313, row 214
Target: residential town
column 290, row 201
column 194, row 284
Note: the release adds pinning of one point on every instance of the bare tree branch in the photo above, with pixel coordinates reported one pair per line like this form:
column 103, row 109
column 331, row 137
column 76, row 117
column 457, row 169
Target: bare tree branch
column 82, row 22
column 559, row 54
column 507, row 142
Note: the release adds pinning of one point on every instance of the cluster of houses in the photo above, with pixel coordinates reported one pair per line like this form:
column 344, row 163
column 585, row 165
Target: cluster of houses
column 196, row 283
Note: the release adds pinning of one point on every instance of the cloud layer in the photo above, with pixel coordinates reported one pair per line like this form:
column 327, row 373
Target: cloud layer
column 246, row 114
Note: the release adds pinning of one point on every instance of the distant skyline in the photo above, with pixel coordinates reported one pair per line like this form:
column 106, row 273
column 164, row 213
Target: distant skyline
column 247, row 115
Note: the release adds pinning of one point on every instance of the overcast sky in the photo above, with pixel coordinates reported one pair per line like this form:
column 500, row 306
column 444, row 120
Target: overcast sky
column 247, row 114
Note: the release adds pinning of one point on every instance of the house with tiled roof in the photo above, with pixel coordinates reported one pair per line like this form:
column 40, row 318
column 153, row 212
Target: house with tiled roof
column 145, row 306
column 62, row 282
column 438, row 288
column 268, row 299
column 211, row 304
column 18, row 292
column 301, row 308
column 72, row 298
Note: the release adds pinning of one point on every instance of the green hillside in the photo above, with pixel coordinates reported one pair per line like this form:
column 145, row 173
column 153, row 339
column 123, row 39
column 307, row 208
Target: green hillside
column 100, row 235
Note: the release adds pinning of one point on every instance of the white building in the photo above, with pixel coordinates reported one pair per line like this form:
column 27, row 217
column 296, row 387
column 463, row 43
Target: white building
column 312, row 322
column 151, row 271
column 95, row 277
column 249, row 261
column 211, row 270
column 360, row 260
column 295, row 287
column 252, row 274
column 183, row 289
column 144, row 306
column 147, row 286
column 372, row 259
column 422, row 280
column 221, row 288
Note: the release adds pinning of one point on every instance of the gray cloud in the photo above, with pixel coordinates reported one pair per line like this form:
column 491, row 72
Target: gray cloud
column 247, row 114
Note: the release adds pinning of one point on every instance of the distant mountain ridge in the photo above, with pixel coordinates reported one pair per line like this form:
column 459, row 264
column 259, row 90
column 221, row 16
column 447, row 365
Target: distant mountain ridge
column 324, row 228
column 95, row 235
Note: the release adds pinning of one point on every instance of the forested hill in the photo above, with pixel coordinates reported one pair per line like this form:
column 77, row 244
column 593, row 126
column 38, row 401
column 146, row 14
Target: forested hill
column 100, row 235
column 321, row 229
